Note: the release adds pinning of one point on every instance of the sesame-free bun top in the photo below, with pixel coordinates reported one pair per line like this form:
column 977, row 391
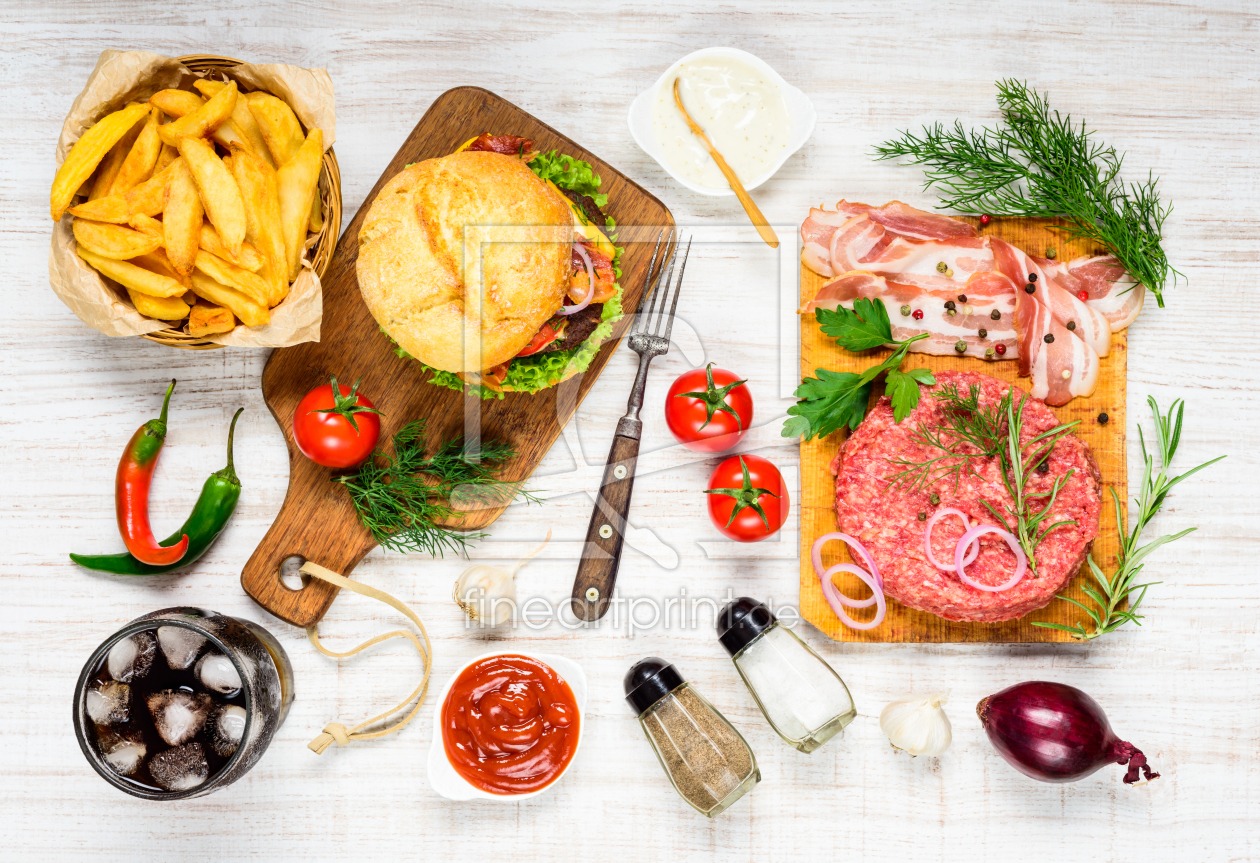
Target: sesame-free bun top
column 427, row 293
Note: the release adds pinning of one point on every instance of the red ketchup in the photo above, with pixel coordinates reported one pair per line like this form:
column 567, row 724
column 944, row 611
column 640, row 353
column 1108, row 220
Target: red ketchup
column 510, row 724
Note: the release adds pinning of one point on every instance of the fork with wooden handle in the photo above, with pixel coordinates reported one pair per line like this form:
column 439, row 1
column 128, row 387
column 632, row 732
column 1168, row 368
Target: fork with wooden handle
column 601, row 555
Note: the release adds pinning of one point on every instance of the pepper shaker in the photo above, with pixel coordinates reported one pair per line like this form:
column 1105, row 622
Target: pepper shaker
column 801, row 696
column 706, row 759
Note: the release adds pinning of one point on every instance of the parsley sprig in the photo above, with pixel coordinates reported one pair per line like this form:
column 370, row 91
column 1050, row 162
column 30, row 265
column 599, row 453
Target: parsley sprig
column 833, row 400
column 1121, row 587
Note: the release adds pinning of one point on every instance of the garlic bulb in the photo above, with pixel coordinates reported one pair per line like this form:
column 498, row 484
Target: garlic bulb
column 918, row 725
column 487, row 594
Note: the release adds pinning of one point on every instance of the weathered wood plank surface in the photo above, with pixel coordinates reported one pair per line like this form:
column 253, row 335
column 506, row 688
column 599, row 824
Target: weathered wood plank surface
column 1177, row 86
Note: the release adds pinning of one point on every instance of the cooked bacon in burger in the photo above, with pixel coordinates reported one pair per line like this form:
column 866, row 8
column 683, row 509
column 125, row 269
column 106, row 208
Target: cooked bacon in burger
column 508, row 145
column 580, row 281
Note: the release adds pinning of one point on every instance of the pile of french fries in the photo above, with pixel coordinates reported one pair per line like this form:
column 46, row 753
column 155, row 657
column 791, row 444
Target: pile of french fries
column 232, row 228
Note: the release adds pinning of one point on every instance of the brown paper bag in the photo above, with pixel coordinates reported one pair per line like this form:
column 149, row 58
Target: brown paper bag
column 123, row 76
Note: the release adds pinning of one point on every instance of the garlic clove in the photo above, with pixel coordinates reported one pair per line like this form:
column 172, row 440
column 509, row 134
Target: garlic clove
column 487, row 594
column 917, row 725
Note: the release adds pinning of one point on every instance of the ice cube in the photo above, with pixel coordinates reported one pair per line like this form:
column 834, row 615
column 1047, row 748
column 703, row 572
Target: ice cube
column 180, row 646
column 227, row 729
column 108, row 703
column 132, row 657
column 178, row 715
column 181, row 768
column 217, row 673
column 122, row 750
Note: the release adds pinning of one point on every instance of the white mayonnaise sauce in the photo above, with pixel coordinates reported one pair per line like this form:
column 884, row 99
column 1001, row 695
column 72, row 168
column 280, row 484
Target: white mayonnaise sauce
column 737, row 105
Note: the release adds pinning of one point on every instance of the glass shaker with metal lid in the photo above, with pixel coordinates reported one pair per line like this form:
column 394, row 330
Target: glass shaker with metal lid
column 803, row 699
column 704, row 756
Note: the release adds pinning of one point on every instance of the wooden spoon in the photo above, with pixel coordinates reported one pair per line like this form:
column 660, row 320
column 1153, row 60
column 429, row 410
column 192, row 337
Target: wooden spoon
column 750, row 207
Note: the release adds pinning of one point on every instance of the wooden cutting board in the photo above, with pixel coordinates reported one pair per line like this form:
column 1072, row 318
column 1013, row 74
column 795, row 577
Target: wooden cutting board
column 317, row 521
column 1107, row 441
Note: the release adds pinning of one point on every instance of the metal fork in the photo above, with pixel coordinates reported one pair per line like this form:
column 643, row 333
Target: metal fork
column 649, row 338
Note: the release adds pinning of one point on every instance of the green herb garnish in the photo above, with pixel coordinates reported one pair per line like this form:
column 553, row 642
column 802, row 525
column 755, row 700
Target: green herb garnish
column 1042, row 165
column 400, row 497
column 834, row 400
column 1120, row 588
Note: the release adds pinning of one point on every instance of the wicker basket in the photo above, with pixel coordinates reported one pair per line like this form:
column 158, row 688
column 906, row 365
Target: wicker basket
column 321, row 253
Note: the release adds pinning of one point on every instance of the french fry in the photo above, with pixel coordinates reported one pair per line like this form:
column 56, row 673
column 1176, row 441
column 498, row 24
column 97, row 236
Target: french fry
column 181, row 103
column 148, row 225
column 88, row 152
column 296, row 182
column 249, row 258
column 203, row 121
column 219, row 193
column 257, row 182
column 278, row 125
column 142, row 158
column 161, row 308
column 250, row 313
column 113, row 241
column 242, row 119
column 169, row 154
column 316, row 223
column 134, row 277
column 250, row 284
column 148, row 198
column 157, row 262
column 205, row 320
column 182, row 220
column 112, row 164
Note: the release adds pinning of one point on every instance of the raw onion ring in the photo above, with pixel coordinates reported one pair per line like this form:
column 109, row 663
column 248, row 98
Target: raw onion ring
column 927, row 538
column 972, row 536
column 590, row 274
column 838, row 600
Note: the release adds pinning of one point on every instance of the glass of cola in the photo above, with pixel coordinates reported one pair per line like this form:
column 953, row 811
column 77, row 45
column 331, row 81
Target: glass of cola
column 181, row 702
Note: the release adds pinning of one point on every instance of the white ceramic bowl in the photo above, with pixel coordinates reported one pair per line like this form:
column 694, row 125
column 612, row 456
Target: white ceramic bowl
column 446, row 780
column 799, row 108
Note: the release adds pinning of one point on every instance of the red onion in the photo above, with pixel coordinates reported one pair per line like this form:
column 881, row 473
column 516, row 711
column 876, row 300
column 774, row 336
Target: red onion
column 973, row 536
column 590, row 274
column 1053, row 732
column 838, row 600
column 927, row 538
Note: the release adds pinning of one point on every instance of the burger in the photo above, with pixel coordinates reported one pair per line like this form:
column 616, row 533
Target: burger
column 522, row 311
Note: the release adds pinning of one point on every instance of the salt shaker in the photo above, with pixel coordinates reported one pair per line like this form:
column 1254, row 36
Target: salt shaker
column 803, row 699
column 704, row 756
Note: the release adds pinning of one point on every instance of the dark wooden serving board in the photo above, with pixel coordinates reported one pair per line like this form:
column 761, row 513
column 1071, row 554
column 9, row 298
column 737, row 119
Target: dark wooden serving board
column 317, row 521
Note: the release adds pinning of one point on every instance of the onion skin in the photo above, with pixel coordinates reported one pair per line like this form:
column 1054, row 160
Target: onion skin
column 1053, row 732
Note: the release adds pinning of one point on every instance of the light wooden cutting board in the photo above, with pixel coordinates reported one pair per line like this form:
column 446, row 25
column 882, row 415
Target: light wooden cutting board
column 1107, row 441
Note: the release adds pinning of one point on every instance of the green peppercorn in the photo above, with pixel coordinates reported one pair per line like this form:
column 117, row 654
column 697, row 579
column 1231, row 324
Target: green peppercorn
column 996, row 315
column 905, row 311
column 1071, row 325
column 988, row 354
column 942, row 267
column 1051, row 253
column 984, row 334
column 950, row 312
column 923, row 516
column 934, row 499
column 960, row 346
column 1049, row 338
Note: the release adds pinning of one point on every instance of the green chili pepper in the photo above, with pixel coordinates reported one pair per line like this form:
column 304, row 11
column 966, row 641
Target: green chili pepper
column 208, row 518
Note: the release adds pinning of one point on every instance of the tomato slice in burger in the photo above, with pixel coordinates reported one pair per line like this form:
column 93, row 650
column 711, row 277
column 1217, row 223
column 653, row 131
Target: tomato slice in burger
column 549, row 333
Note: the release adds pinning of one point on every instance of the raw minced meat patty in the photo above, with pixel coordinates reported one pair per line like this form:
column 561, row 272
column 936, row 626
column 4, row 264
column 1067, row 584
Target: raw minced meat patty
column 886, row 521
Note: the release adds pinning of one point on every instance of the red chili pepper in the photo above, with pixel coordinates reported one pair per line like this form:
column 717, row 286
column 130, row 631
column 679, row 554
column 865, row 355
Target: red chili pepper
column 131, row 493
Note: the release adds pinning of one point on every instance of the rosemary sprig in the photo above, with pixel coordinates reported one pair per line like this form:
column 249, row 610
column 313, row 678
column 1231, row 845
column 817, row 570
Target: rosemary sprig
column 1042, row 165
column 398, row 498
column 1121, row 587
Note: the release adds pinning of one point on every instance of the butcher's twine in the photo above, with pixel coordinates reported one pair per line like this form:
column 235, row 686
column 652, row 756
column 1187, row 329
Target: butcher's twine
column 336, row 732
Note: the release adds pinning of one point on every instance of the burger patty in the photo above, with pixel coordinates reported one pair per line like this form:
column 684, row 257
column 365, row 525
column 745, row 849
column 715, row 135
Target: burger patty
column 886, row 519
column 578, row 330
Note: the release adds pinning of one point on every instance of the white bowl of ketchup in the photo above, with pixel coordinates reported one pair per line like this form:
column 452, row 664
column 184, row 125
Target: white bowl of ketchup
column 449, row 782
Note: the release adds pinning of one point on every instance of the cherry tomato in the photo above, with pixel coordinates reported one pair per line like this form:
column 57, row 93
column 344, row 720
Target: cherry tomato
column 708, row 409
column 748, row 499
column 336, row 430
column 541, row 339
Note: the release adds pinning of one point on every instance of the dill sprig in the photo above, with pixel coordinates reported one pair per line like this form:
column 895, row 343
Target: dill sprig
column 968, row 433
column 1042, row 165
column 1121, row 587
column 400, row 497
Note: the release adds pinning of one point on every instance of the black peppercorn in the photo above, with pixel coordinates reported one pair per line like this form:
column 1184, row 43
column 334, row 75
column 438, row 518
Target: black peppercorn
column 923, row 516
column 949, row 304
column 1032, row 277
column 996, row 315
column 1049, row 338
column 984, row 333
column 1071, row 325
column 1030, row 289
column 1103, row 419
column 962, row 298
column 1044, row 467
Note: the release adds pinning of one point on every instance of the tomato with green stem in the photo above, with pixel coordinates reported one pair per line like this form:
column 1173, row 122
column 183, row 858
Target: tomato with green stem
column 336, row 426
column 748, row 499
column 708, row 410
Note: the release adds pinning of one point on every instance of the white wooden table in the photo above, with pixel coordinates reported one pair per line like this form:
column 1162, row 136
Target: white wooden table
column 1177, row 86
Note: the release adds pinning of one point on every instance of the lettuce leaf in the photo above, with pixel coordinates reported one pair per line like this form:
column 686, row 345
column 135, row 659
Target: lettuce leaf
column 569, row 173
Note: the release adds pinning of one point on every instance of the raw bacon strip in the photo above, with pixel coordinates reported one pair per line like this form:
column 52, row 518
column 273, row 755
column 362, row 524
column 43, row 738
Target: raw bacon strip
column 1111, row 289
column 863, row 244
column 945, row 330
column 816, row 233
column 897, row 219
column 905, row 221
column 1088, row 323
column 1060, row 369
